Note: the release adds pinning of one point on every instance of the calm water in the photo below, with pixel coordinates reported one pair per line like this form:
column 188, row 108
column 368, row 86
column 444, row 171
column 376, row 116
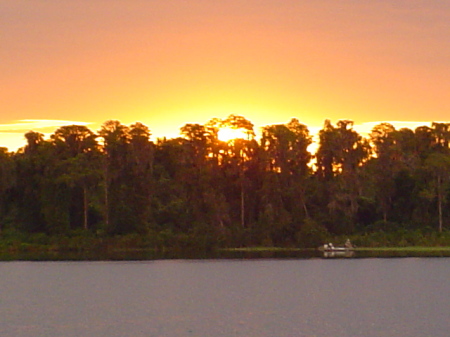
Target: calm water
column 263, row 298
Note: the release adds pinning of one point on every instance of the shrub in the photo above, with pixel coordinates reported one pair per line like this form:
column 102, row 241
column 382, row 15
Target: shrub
column 312, row 234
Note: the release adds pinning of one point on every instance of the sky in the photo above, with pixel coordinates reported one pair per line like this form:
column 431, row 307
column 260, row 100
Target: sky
column 166, row 63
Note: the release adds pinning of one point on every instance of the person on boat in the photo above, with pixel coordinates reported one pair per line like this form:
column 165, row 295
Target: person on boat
column 348, row 244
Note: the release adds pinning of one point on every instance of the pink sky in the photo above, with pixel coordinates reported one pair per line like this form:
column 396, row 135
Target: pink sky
column 167, row 63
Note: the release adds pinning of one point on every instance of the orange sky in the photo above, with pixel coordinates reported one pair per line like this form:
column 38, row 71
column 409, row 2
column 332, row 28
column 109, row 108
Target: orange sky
column 170, row 62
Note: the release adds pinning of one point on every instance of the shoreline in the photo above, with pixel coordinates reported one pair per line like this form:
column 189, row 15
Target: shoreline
column 242, row 253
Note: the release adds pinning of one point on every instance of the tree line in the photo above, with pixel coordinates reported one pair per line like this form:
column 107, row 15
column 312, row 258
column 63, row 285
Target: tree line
column 196, row 188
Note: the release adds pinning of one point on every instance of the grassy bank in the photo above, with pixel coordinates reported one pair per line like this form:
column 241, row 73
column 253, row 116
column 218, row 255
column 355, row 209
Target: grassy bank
column 404, row 249
column 399, row 241
column 264, row 249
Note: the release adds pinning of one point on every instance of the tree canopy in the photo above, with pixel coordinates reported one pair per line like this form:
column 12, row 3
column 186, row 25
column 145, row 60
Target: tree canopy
column 246, row 191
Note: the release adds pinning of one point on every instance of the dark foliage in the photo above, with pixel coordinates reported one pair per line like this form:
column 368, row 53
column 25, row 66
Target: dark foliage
column 197, row 190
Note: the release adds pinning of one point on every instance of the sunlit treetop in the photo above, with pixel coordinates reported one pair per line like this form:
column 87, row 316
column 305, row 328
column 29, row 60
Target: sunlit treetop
column 235, row 127
column 226, row 134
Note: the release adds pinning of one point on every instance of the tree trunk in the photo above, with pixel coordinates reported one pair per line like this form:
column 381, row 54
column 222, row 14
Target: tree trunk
column 242, row 194
column 106, row 197
column 439, row 190
column 305, row 208
column 85, row 208
column 242, row 206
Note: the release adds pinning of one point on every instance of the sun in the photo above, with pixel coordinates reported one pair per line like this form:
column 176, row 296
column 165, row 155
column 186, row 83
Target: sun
column 226, row 134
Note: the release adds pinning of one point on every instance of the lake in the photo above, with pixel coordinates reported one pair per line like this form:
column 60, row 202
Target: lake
column 404, row 297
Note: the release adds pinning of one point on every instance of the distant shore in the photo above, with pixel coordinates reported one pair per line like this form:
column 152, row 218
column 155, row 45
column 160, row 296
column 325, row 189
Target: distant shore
column 90, row 247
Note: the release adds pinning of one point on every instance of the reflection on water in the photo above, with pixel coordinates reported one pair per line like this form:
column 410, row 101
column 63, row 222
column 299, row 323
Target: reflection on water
column 345, row 253
column 144, row 255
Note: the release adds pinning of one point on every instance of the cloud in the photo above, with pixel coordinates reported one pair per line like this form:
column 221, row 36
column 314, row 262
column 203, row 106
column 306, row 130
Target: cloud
column 12, row 134
column 43, row 125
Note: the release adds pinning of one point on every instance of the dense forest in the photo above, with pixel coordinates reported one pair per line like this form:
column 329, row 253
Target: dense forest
column 198, row 190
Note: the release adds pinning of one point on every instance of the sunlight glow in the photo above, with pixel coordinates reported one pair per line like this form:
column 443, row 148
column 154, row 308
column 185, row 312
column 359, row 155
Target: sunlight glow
column 226, row 134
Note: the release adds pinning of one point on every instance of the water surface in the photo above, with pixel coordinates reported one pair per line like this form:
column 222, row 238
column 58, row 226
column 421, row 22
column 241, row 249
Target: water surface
column 404, row 297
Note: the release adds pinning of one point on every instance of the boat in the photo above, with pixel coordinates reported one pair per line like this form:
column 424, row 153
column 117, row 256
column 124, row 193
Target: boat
column 328, row 247
column 331, row 251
